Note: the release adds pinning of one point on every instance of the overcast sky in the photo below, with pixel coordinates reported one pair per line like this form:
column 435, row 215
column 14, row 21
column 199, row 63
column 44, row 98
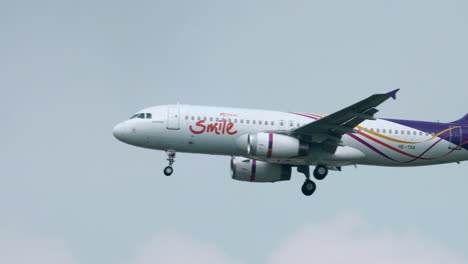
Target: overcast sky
column 71, row 70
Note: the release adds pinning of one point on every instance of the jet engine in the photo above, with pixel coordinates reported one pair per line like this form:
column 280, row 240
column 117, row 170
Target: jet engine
column 275, row 146
column 259, row 171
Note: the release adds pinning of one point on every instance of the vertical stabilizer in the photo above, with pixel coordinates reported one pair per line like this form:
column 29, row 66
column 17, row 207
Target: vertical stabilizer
column 462, row 121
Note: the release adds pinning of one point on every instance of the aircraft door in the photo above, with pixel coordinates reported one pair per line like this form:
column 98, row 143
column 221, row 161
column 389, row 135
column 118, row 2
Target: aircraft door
column 173, row 117
column 456, row 137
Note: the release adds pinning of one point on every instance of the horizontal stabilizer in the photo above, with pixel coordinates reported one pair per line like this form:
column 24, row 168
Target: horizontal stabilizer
column 463, row 120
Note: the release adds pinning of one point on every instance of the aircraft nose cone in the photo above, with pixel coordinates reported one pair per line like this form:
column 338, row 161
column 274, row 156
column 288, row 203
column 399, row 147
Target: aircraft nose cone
column 120, row 132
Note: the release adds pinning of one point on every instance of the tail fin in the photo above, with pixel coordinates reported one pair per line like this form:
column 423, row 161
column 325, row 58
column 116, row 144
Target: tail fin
column 462, row 121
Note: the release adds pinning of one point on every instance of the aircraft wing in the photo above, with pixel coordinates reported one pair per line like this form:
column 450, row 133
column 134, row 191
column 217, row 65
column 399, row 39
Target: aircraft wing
column 331, row 128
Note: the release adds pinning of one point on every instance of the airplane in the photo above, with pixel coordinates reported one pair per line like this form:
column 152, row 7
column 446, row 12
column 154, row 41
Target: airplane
column 266, row 145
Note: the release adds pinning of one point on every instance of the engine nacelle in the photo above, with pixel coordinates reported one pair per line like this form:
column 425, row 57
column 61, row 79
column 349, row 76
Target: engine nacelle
column 259, row 171
column 272, row 145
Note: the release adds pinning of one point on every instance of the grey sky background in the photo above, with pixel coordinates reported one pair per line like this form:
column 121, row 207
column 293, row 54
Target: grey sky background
column 71, row 70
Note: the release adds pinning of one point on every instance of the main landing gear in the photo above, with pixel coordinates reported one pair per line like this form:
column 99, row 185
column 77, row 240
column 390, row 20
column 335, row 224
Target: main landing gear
column 308, row 188
column 171, row 158
column 320, row 172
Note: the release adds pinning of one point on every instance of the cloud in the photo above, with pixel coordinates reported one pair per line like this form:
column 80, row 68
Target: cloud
column 346, row 239
column 175, row 249
column 19, row 249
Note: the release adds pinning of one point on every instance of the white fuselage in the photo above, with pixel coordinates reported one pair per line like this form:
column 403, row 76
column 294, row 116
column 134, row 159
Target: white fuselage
column 224, row 131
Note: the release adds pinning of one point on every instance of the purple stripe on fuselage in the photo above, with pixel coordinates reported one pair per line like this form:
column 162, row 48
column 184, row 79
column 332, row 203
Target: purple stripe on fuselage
column 369, row 146
column 426, row 150
column 434, row 128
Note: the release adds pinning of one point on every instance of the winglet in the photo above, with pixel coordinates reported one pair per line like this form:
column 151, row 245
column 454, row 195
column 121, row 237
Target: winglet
column 393, row 93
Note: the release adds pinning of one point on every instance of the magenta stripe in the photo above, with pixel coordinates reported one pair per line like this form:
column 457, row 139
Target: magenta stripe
column 369, row 146
column 378, row 151
column 426, row 150
column 254, row 170
column 304, row 115
column 270, row 145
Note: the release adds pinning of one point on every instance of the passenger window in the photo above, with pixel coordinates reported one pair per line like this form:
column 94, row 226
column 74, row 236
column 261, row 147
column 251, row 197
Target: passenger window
column 253, row 122
column 378, row 130
column 186, row 117
column 242, row 121
column 198, row 118
column 266, row 122
column 149, row 116
column 211, row 118
column 384, row 131
column 298, row 125
column 229, row 120
column 260, row 122
column 235, row 121
column 408, row 132
column 247, row 121
column 414, row 133
column 193, row 118
column 396, row 131
column 217, row 119
column 389, row 131
column 402, row 132
column 272, row 123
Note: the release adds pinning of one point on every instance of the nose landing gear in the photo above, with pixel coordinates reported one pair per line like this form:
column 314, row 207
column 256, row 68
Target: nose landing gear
column 171, row 154
column 168, row 171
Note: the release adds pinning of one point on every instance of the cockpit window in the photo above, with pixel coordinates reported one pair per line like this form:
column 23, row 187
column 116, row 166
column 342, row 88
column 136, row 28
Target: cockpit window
column 142, row 116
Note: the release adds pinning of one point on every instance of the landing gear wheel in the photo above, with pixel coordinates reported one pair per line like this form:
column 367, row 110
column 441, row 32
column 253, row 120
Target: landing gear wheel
column 171, row 158
column 168, row 171
column 320, row 172
column 308, row 188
